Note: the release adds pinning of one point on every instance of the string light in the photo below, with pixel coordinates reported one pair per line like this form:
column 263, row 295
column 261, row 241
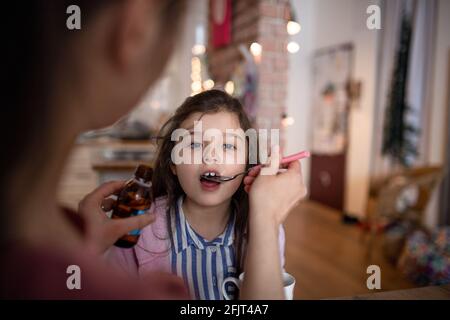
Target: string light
column 256, row 49
column 198, row 50
column 293, row 47
column 208, row 84
column 286, row 120
column 293, row 27
column 196, row 85
column 229, row 87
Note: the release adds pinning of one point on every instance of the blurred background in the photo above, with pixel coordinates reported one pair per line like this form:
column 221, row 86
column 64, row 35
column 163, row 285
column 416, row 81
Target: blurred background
column 364, row 85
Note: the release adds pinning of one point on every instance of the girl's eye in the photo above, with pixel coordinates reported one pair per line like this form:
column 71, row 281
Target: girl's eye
column 229, row 146
column 195, row 145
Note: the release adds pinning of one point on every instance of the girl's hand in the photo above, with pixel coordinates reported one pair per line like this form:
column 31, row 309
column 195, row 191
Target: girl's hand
column 101, row 231
column 272, row 193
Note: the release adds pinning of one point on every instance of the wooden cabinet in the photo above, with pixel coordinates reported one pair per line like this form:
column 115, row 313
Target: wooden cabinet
column 327, row 182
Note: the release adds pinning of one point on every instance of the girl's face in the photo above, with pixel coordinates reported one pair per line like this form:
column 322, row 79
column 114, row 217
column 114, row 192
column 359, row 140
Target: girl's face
column 220, row 152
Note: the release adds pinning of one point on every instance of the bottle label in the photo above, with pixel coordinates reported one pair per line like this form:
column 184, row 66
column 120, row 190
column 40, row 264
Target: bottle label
column 136, row 232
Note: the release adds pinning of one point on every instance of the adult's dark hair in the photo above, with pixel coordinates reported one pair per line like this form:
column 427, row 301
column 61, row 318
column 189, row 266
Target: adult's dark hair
column 36, row 40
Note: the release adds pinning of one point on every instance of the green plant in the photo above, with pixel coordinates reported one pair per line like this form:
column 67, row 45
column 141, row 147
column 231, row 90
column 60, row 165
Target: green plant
column 399, row 134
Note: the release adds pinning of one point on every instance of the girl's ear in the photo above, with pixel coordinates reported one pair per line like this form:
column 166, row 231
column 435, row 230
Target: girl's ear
column 173, row 169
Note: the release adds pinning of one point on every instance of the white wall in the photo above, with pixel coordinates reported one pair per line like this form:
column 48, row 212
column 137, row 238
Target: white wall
column 440, row 83
column 438, row 122
column 174, row 84
column 299, row 83
column 327, row 23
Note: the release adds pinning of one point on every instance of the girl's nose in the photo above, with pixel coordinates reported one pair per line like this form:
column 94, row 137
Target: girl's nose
column 212, row 154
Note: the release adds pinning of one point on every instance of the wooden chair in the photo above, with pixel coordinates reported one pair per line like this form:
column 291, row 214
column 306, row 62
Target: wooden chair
column 390, row 200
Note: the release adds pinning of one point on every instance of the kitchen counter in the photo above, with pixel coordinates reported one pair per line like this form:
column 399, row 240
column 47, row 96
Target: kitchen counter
column 114, row 159
column 95, row 161
column 118, row 165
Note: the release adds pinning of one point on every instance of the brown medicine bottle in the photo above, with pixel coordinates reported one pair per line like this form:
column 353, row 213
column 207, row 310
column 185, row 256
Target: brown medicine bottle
column 134, row 199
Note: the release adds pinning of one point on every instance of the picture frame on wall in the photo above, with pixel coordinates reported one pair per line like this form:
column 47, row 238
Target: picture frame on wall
column 332, row 91
column 332, row 86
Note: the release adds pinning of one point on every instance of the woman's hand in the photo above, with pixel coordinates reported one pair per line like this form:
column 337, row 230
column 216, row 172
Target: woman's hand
column 275, row 193
column 101, row 231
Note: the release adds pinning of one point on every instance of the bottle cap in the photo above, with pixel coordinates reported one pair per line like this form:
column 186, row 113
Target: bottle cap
column 144, row 172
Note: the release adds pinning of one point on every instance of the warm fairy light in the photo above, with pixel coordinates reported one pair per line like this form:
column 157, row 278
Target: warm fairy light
column 256, row 49
column 287, row 121
column 196, row 86
column 229, row 87
column 293, row 47
column 196, row 64
column 198, row 49
column 196, row 68
column 208, row 84
column 293, row 27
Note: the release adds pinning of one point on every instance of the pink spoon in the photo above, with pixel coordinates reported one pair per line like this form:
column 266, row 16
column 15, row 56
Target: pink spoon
column 294, row 157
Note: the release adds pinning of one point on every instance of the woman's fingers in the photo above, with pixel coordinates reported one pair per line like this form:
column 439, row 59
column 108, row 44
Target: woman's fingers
column 95, row 203
column 104, row 191
column 102, row 232
column 108, row 204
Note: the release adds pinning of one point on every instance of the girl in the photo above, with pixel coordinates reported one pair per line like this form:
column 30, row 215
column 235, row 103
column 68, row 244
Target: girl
column 200, row 229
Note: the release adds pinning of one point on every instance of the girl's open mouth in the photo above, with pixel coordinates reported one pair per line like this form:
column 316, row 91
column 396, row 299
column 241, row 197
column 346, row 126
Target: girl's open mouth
column 209, row 185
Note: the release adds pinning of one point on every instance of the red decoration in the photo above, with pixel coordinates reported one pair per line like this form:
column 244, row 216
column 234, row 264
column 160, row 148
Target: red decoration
column 221, row 22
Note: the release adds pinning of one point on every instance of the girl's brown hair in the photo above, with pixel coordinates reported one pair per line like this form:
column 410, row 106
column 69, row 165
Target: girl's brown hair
column 165, row 183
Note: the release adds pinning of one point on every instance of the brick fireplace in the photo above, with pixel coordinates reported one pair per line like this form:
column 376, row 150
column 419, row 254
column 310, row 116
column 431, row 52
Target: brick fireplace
column 264, row 22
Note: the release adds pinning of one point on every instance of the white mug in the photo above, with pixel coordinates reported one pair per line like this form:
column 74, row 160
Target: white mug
column 288, row 285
